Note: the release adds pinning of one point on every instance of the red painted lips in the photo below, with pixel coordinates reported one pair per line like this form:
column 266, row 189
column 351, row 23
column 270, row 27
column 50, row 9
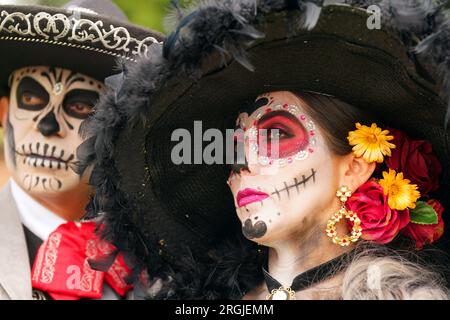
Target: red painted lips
column 247, row 196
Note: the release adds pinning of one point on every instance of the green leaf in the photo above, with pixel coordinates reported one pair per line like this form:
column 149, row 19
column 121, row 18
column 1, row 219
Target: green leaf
column 423, row 213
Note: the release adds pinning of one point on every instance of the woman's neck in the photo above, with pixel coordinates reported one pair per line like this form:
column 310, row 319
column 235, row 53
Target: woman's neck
column 294, row 256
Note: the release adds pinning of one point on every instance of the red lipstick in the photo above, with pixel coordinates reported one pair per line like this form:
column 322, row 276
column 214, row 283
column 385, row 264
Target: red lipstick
column 247, row 196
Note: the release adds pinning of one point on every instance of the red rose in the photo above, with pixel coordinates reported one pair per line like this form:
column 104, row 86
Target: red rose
column 416, row 160
column 426, row 233
column 379, row 223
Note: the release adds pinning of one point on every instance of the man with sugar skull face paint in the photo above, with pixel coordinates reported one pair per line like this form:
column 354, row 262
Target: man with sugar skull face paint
column 50, row 89
column 46, row 108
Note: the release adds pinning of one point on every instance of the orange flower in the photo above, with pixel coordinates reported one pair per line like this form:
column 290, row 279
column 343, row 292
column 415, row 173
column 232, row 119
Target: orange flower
column 401, row 194
column 371, row 143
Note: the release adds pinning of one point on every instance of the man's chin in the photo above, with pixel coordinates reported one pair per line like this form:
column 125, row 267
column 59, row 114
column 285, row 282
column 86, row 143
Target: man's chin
column 45, row 184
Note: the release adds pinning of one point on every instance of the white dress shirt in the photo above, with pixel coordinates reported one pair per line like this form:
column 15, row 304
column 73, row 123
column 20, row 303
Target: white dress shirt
column 37, row 218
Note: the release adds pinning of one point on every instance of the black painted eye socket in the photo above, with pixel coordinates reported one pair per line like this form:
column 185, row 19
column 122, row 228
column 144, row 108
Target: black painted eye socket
column 31, row 95
column 80, row 103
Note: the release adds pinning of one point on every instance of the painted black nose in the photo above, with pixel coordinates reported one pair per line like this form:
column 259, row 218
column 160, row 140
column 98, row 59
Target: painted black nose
column 48, row 125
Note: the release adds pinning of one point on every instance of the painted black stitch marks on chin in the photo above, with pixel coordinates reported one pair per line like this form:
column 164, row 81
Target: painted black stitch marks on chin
column 31, row 182
column 252, row 231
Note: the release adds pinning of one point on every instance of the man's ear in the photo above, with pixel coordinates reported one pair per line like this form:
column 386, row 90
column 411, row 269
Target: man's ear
column 356, row 171
column 4, row 105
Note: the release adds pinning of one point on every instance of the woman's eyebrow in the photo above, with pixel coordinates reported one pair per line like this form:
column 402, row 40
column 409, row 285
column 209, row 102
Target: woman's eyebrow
column 269, row 116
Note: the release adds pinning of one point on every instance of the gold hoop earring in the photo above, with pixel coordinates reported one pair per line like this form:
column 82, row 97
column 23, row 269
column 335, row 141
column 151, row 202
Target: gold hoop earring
column 343, row 194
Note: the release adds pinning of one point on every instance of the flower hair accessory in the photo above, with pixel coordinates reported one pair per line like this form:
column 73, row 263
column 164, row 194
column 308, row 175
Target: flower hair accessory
column 371, row 143
column 400, row 192
column 390, row 204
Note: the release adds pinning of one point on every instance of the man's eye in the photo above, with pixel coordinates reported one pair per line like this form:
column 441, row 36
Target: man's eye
column 79, row 110
column 31, row 95
column 31, row 99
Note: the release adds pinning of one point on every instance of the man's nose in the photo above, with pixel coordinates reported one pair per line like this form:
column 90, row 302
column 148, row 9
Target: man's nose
column 49, row 125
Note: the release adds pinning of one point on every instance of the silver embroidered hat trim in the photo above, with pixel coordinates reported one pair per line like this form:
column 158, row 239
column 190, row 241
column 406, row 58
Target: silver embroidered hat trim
column 64, row 30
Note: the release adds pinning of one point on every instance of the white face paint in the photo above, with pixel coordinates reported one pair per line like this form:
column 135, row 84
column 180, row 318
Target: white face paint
column 47, row 107
column 278, row 198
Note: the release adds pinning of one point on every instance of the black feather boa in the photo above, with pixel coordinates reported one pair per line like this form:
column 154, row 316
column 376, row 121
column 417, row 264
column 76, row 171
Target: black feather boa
column 228, row 26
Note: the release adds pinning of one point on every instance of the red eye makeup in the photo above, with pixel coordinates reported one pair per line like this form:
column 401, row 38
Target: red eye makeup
column 282, row 132
column 281, row 135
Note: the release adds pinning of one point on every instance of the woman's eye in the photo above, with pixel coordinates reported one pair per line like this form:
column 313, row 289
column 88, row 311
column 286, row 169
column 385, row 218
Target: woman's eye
column 79, row 110
column 273, row 134
column 31, row 99
column 277, row 133
column 284, row 136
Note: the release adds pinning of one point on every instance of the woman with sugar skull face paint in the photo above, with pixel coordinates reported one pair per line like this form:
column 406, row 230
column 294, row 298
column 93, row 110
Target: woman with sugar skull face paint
column 50, row 81
column 344, row 139
column 284, row 199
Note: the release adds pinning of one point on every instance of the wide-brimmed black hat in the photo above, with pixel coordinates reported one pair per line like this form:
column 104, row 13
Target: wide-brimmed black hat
column 221, row 55
column 87, row 36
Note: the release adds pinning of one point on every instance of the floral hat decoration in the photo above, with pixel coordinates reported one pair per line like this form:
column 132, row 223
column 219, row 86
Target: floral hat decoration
column 399, row 199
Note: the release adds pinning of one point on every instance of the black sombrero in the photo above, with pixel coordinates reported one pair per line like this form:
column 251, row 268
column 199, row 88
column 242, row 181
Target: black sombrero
column 224, row 53
column 87, row 36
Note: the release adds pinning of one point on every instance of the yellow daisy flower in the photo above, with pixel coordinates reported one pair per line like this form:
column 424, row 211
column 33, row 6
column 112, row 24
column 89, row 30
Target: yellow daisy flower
column 401, row 194
column 371, row 143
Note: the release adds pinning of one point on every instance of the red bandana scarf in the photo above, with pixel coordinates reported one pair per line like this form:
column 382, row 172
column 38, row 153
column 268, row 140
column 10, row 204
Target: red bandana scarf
column 62, row 269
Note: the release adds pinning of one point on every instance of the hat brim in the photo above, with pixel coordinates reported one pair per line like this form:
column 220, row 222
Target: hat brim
column 85, row 42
